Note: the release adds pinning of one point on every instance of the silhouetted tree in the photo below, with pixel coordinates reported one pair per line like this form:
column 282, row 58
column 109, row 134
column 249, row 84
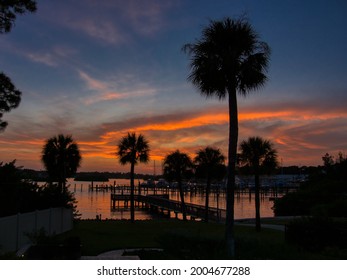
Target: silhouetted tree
column 9, row 11
column 328, row 161
column 258, row 154
column 18, row 195
column 61, row 158
column 335, row 168
column 9, row 97
column 228, row 59
column 209, row 165
column 322, row 194
column 178, row 166
column 14, row 192
column 133, row 149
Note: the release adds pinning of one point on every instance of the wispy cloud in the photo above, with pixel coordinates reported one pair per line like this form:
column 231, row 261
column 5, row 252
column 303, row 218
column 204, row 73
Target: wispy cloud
column 92, row 83
column 104, row 20
column 44, row 58
column 103, row 30
column 147, row 17
column 53, row 57
column 106, row 90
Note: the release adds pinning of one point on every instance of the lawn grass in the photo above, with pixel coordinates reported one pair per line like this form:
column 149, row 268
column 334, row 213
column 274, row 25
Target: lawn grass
column 100, row 236
column 182, row 240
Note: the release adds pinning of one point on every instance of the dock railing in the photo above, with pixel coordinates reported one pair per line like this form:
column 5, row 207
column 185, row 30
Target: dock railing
column 163, row 202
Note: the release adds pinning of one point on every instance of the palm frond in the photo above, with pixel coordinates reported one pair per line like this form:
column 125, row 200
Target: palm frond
column 257, row 151
column 61, row 156
column 133, row 149
column 228, row 54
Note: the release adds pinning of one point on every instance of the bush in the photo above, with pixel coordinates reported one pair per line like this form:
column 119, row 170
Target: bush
column 317, row 234
column 337, row 209
column 314, row 198
column 293, row 204
column 21, row 196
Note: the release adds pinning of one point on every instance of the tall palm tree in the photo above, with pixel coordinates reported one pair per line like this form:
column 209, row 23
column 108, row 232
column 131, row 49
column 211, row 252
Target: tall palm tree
column 228, row 59
column 210, row 165
column 177, row 166
column 258, row 154
column 61, row 158
column 133, row 149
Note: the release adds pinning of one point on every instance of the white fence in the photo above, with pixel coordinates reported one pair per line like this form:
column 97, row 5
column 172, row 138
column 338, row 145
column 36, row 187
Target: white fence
column 14, row 229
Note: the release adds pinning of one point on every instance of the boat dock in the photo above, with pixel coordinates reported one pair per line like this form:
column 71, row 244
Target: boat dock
column 162, row 204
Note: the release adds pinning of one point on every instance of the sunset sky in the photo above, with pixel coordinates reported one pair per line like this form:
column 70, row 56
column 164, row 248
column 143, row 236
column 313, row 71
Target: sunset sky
column 99, row 69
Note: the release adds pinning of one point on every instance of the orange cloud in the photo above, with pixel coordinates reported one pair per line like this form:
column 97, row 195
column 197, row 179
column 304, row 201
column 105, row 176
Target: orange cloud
column 188, row 132
column 203, row 120
column 301, row 135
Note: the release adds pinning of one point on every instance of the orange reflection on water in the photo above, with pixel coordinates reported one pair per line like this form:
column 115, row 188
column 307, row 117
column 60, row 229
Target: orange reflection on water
column 92, row 203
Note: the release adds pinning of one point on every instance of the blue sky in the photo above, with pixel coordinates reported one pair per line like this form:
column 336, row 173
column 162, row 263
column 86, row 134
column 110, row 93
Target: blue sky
column 98, row 69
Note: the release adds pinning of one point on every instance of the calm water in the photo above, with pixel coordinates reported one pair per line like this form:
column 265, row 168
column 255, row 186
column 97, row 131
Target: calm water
column 92, row 203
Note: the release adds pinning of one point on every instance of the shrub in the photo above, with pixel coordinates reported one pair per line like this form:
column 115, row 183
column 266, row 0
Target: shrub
column 292, row 204
column 315, row 198
column 317, row 233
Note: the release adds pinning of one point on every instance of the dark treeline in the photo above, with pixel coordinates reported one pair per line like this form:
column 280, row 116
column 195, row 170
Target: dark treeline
column 42, row 176
column 104, row 176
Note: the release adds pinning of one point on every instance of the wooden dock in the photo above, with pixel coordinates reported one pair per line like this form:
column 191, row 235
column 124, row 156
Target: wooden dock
column 162, row 203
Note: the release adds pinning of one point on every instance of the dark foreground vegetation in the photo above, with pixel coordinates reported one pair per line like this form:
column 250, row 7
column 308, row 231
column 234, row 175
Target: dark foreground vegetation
column 177, row 239
column 324, row 194
column 322, row 202
column 18, row 195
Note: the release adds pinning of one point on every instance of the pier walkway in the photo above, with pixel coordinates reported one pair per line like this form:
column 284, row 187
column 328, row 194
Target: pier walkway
column 162, row 203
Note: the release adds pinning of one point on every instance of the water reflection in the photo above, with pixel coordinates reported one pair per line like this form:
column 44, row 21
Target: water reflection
column 93, row 203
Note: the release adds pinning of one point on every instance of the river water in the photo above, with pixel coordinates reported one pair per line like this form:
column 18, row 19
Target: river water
column 93, row 203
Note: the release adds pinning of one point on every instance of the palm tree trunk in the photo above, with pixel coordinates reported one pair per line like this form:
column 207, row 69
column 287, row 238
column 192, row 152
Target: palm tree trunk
column 208, row 187
column 233, row 137
column 132, row 188
column 257, row 198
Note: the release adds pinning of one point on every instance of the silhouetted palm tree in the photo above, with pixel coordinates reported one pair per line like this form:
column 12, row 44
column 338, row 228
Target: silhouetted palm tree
column 210, row 165
column 133, row 149
column 177, row 166
column 228, row 59
column 61, row 158
column 258, row 154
